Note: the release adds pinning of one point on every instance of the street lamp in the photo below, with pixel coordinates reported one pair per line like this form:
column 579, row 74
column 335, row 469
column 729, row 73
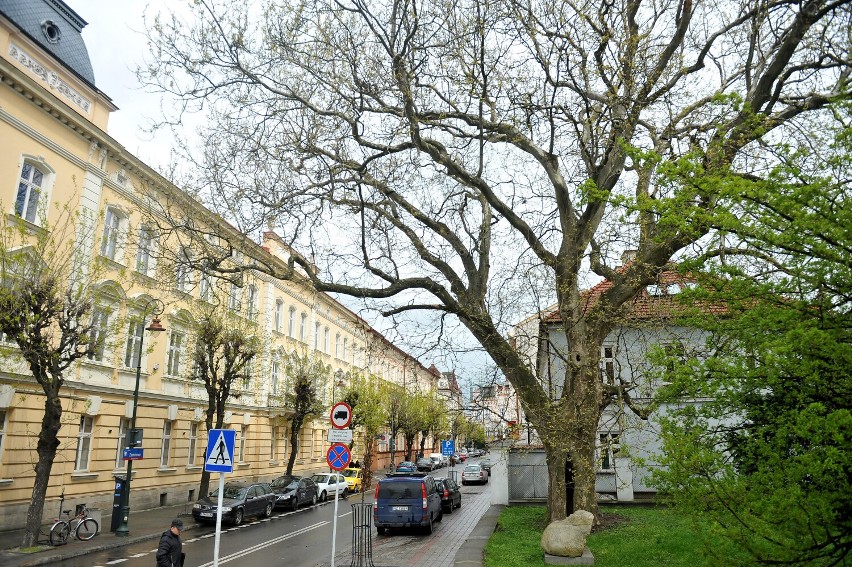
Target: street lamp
column 338, row 381
column 133, row 438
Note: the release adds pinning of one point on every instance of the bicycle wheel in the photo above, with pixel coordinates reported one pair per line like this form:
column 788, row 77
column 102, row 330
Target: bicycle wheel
column 87, row 529
column 59, row 533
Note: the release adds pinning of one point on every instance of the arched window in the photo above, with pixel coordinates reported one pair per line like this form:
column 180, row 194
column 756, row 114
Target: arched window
column 279, row 314
column 291, row 324
column 303, row 328
column 112, row 240
column 31, row 191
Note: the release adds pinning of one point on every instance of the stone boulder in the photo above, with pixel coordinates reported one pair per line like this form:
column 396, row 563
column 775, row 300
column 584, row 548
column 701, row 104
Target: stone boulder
column 567, row 538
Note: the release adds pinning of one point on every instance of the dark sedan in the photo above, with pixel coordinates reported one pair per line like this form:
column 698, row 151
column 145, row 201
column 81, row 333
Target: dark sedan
column 293, row 491
column 239, row 499
column 450, row 494
column 425, row 465
column 486, row 465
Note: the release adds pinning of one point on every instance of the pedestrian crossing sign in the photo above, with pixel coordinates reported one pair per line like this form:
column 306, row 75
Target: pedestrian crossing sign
column 220, row 450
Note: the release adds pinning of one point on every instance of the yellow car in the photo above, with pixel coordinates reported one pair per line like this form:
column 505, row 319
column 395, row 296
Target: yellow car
column 353, row 479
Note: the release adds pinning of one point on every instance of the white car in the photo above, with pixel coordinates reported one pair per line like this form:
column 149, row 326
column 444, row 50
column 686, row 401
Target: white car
column 329, row 484
column 474, row 474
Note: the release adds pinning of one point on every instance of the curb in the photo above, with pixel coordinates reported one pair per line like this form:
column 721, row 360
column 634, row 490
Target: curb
column 472, row 551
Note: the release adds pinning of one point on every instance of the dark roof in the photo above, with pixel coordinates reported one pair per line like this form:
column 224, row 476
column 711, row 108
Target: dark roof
column 660, row 301
column 56, row 28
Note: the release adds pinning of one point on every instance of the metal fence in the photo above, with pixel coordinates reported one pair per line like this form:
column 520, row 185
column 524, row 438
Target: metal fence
column 527, row 475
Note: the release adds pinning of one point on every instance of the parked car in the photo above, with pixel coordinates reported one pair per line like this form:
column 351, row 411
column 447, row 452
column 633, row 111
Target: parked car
column 461, row 457
column 425, row 465
column 407, row 500
column 450, row 494
column 486, row 464
column 293, row 491
column 354, row 477
column 474, row 474
column 406, row 467
column 239, row 500
column 437, row 460
column 329, row 484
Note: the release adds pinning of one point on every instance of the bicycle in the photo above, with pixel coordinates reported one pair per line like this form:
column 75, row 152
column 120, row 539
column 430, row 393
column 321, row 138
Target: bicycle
column 81, row 525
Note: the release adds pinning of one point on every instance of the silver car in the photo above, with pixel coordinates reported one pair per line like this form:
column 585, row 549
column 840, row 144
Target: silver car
column 474, row 474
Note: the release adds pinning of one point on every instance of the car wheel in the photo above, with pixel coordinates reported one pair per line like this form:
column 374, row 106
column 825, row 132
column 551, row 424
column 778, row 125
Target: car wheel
column 382, row 531
column 323, row 496
column 345, row 492
column 440, row 515
column 238, row 516
column 268, row 512
column 459, row 506
column 313, row 499
column 428, row 527
column 449, row 509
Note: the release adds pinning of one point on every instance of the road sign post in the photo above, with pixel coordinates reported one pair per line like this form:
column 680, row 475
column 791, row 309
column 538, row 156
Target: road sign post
column 219, row 458
column 338, row 455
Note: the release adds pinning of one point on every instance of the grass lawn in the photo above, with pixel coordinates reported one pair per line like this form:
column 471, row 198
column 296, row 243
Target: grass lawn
column 631, row 536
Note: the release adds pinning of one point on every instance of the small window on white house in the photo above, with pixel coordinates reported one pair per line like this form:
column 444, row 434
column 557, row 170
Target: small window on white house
column 345, row 348
column 303, row 328
column 112, row 238
column 165, row 454
column 123, row 428
column 173, row 362
column 31, row 194
column 84, row 443
column 326, row 341
column 608, row 364
column 316, row 335
column 338, row 345
column 291, row 323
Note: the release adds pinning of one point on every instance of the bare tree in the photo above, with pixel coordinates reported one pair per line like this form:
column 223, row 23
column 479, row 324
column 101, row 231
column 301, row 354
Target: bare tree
column 45, row 309
column 307, row 374
column 460, row 148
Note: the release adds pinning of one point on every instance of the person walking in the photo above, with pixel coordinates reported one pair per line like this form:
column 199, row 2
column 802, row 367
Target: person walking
column 170, row 551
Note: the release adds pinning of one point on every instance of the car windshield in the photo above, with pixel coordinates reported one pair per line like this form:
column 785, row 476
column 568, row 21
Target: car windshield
column 352, row 473
column 318, row 478
column 285, row 482
column 236, row 492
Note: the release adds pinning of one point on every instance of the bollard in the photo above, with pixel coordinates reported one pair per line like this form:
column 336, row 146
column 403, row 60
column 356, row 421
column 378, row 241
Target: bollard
column 362, row 535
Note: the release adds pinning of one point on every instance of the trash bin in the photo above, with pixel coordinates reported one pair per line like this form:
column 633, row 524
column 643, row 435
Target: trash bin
column 117, row 500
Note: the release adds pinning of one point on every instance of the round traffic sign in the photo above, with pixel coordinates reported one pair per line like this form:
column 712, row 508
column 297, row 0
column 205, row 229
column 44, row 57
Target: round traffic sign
column 338, row 457
column 341, row 415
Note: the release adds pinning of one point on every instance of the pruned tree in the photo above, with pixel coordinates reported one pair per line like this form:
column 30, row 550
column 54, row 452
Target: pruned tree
column 45, row 310
column 369, row 413
column 306, row 375
column 223, row 357
column 434, row 420
column 470, row 149
column 412, row 418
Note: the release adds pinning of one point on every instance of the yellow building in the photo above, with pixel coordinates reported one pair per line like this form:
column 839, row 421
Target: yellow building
column 56, row 156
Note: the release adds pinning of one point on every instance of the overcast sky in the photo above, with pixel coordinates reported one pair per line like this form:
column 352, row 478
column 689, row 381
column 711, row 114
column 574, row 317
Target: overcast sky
column 116, row 46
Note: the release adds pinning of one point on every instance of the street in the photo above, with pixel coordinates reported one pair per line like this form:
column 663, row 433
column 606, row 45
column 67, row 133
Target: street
column 303, row 539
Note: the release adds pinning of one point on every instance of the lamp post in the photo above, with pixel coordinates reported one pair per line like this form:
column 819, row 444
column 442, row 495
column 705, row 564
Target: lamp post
column 155, row 308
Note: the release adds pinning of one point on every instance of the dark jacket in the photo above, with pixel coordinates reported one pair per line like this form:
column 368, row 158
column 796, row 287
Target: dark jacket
column 169, row 551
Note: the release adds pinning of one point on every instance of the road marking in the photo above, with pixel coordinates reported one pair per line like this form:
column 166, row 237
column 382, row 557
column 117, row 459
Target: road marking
column 266, row 544
column 138, row 555
column 116, row 561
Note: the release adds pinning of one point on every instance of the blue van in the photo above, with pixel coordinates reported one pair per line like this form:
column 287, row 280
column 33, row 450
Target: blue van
column 406, row 500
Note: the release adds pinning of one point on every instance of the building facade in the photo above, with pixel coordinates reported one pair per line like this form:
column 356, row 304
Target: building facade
column 64, row 177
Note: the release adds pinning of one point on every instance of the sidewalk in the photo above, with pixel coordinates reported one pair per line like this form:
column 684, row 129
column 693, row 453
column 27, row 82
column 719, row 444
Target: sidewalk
column 461, row 548
column 144, row 525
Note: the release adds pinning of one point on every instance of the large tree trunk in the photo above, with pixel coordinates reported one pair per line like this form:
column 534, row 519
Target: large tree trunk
column 204, row 486
column 48, row 443
column 295, row 427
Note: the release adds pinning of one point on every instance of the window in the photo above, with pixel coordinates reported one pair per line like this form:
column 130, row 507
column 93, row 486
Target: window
column 175, row 346
column 326, row 341
column 123, row 428
column 608, row 448
column 246, row 382
column 144, row 250
column 166, row 444
column 242, row 450
column 303, row 327
column 111, row 240
column 337, row 345
column 235, row 298
column 273, row 442
column 608, row 364
column 97, row 339
column 291, row 324
column 316, row 335
column 251, row 303
column 205, row 287
column 276, row 372
column 133, row 350
column 193, row 443
column 279, row 314
column 3, row 414
column 84, row 443
column 183, row 270
column 345, row 347
column 30, row 190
